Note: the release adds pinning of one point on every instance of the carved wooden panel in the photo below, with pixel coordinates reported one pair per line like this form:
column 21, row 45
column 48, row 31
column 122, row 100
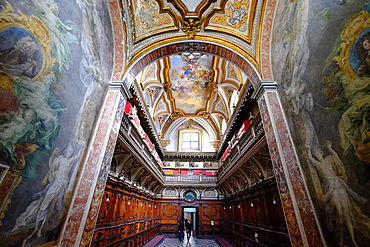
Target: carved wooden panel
column 211, row 211
column 255, row 211
column 170, row 210
column 126, row 216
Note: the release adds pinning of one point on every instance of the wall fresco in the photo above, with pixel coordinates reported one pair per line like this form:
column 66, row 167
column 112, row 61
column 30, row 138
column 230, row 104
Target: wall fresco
column 48, row 108
column 325, row 90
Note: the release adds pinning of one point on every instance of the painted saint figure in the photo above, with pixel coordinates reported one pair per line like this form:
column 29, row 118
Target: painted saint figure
column 363, row 52
column 20, row 60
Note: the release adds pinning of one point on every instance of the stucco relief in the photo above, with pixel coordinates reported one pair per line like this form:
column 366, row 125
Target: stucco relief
column 148, row 18
column 236, row 16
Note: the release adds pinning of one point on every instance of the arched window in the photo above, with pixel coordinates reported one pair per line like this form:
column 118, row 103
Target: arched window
column 234, row 99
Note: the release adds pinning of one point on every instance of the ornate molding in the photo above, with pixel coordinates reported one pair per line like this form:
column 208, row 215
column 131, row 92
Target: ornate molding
column 190, row 156
column 191, row 26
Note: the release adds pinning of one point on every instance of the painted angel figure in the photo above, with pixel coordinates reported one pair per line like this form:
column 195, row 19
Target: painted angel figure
column 339, row 200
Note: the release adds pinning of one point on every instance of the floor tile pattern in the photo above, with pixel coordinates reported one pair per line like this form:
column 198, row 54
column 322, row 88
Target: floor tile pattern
column 194, row 242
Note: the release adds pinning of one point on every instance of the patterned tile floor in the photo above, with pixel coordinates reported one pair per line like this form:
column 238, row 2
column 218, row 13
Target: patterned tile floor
column 194, row 242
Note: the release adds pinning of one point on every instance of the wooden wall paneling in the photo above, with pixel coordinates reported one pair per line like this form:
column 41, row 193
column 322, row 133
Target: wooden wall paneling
column 122, row 208
column 132, row 216
column 105, row 211
column 245, row 210
column 208, row 212
column 169, row 215
column 124, row 217
column 116, row 201
column 267, row 202
column 252, row 211
column 265, row 218
column 258, row 211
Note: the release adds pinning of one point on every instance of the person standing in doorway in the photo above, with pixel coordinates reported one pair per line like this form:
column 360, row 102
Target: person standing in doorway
column 189, row 228
column 180, row 230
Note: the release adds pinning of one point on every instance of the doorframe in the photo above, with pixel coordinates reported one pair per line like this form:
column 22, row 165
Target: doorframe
column 196, row 216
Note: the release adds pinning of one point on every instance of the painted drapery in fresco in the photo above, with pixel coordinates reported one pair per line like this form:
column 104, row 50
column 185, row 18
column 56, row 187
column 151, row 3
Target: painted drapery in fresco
column 352, row 86
column 34, row 57
column 30, row 112
column 348, row 87
column 340, row 205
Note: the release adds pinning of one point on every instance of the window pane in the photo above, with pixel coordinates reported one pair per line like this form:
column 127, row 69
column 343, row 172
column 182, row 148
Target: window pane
column 194, row 136
column 186, row 145
column 194, row 145
column 190, row 140
column 186, row 136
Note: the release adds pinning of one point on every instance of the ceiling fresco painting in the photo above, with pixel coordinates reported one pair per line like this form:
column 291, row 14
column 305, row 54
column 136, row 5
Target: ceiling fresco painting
column 191, row 76
column 191, row 89
column 149, row 20
column 234, row 22
column 193, row 70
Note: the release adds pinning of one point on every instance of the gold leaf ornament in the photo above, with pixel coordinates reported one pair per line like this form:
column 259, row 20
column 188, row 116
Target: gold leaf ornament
column 353, row 28
column 35, row 27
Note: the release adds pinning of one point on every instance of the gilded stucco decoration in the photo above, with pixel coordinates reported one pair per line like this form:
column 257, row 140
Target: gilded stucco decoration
column 231, row 71
column 191, row 85
column 355, row 28
column 236, row 18
column 150, row 19
column 236, row 15
column 151, row 71
column 191, row 27
column 37, row 60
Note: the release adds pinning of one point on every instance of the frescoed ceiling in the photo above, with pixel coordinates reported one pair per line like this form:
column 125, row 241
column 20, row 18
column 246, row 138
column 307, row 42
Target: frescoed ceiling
column 190, row 88
column 196, row 89
column 155, row 22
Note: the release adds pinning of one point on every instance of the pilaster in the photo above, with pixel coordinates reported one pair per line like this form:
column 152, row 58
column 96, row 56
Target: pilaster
column 82, row 215
column 302, row 223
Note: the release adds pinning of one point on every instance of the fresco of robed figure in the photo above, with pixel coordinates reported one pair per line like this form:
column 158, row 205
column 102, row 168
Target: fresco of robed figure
column 28, row 123
column 20, row 53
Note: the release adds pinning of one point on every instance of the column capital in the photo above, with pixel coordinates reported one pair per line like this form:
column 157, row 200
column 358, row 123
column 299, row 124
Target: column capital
column 263, row 87
column 122, row 86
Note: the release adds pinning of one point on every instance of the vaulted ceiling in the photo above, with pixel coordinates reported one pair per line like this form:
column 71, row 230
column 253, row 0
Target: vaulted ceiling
column 191, row 88
column 201, row 91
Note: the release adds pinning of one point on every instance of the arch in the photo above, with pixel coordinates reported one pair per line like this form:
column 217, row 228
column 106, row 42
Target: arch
column 178, row 122
column 177, row 47
column 196, row 192
column 209, row 193
column 170, row 192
